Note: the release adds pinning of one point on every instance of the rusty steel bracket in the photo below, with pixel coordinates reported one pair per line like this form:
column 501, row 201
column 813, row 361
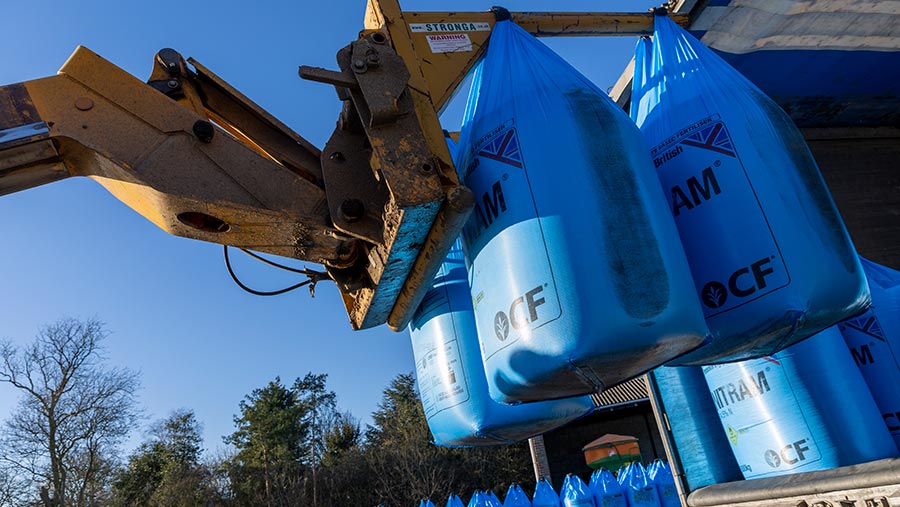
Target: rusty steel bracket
column 384, row 183
column 356, row 198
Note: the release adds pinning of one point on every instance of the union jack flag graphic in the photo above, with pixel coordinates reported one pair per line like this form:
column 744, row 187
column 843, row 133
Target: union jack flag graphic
column 866, row 324
column 714, row 138
column 772, row 360
column 504, row 149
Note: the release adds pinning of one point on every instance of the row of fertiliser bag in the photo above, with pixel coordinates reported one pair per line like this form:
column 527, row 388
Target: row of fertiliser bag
column 577, row 272
column 831, row 400
column 633, row 486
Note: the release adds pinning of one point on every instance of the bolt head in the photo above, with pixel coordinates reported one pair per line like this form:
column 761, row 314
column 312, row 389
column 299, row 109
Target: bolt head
column 83, row 104
column 352, row 210
column 204, row 131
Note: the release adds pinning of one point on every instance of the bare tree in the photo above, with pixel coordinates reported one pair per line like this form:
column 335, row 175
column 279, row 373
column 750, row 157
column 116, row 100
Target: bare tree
column 12, row 489
column 72, row 413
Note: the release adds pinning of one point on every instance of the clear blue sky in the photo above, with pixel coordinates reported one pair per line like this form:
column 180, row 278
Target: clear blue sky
column 71, row 249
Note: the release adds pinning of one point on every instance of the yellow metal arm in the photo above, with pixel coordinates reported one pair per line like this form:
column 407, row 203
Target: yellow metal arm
column 201, row 161
column 163, row 160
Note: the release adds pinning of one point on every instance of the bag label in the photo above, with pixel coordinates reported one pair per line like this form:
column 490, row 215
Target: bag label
column 505, row 204
column 459, row 26
column 878, row 364
column 749, row 398
column 449, row 43
column 442, row 380
column 734, row 256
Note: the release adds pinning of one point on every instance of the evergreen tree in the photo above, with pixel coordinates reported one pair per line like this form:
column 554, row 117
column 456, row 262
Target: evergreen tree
column 319, row 407
column 270, row 438
column 408, row 466
column 166, row 469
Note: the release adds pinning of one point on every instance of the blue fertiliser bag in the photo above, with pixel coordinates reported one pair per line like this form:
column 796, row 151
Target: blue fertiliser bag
column 682, row 395
column 782, row 415
column 643, row 59
column 661, row 476
column 428, row 503
column 544, row 494
column 450, row 373
column 770, row 256
column 639, row 491
column 492, row 498
column 874, row 341
column 575, row 493
column 516, row 497
column 454, row 501
column 577, row 274
column 479, row 499
column 606, row 489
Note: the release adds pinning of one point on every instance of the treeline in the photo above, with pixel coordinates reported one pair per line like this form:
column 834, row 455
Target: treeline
column 291, row 446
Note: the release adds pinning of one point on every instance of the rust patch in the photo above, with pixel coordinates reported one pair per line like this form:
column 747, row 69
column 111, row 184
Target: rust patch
column 16, row 107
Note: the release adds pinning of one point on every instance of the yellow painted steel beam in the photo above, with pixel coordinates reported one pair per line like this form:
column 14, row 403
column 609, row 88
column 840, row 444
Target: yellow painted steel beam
column 578, row 24
column 441, row 47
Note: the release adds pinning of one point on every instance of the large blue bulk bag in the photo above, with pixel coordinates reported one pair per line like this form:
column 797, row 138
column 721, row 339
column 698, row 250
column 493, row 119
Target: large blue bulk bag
column 450, row 373
column 771, row 258
column 606, row 489
column 544, row 494
column 682, row 397
column 454, row 501
column 874, row 341
column 578, row 278
column 639, row 491
column 575, row 492
column 805, row 408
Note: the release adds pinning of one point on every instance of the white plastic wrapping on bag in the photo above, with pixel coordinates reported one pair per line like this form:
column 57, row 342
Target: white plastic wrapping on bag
column 578, row 277
column 771, row 258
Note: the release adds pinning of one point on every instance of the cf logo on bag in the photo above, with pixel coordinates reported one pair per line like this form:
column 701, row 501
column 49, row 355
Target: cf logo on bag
column 522, row 311
column 501, row 326
column 742, row 283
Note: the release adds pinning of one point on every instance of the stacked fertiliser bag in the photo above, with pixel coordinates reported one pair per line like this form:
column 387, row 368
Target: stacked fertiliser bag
column 516, row 497
column 544, row 494
column 479, row 499
column 640, row 491
column 606, row 489
column 770, row 256
column 577, row 274
column 805, row 408
column 575, row 493
column 874, row 341
column 661, row 476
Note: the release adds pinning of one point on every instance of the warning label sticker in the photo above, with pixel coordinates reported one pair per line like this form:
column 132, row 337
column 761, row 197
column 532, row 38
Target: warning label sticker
column 461, row 26
column 449, row 43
